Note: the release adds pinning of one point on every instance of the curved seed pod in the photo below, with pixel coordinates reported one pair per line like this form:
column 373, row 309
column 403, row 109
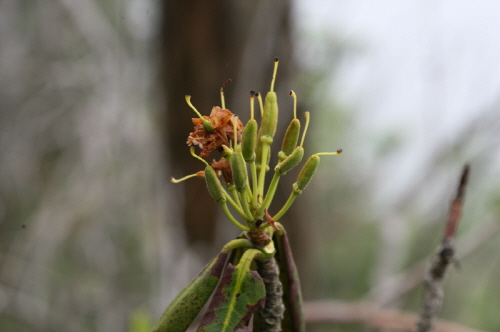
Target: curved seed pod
column 291, row 137
column 291, row 161
column 268, row 124
column 186, row 306
column 270, row 118
column 214, row 186
column 249, row 141
column 307, row 172
column 239, row 170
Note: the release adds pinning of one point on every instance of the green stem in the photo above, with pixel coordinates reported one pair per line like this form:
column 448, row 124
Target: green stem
column 246, row 208
column 234, row 244
column 247, row 259
column 232, row 190
column 263, row 167
column 236, row 206
column 270, row 193
column 255, row 182
column 232, row 219
column 249, row 194
column 287, row 205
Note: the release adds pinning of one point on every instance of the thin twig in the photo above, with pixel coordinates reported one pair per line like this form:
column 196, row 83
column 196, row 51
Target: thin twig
column 370, row 316
column 399, row 284
column 433, row 296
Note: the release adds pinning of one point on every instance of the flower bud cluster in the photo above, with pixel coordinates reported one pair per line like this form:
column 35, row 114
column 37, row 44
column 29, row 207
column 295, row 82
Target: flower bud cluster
column 245, row 160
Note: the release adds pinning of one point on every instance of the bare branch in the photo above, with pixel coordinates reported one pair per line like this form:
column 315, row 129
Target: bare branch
column 433, row 296
column 371, row 316
column 399, row 284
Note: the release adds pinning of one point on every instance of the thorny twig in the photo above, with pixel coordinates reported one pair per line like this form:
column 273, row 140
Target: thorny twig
column 433, row 296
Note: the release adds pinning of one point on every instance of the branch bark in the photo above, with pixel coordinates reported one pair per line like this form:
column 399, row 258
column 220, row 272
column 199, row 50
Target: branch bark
column 273, row 312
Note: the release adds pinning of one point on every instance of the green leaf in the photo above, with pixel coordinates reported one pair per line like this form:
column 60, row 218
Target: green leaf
column 289, row 277
column 186, row 306
column 239, row 293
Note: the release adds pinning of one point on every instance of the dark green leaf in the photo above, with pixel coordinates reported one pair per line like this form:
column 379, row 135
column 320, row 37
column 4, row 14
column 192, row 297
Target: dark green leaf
column 239, row 293
column 186, row 306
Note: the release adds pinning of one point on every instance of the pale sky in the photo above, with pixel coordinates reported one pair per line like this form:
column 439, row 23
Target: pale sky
column 423, row 69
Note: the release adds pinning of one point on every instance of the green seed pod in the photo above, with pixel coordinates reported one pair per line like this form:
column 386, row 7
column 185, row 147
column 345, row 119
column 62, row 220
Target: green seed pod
column 258, row 152
column 296, row 189
column 208, row 126
column 249, row 141
column 214, row 186
column 291, row 161
column 239, row 170
column 270, row 118
column 307, row 172
column 291, row 137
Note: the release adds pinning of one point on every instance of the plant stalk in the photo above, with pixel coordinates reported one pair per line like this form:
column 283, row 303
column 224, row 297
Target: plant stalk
column 273, row 312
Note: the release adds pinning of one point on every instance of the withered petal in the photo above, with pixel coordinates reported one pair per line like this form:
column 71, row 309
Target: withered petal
column 223, row 133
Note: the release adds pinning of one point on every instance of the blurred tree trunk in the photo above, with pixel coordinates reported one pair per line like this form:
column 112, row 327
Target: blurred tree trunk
column 203, row 44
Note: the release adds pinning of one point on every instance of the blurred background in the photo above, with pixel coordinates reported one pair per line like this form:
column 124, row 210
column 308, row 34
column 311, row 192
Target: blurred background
column 93, row 236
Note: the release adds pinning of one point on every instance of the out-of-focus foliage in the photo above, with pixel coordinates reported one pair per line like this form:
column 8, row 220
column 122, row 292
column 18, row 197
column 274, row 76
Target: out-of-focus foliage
column 87, row 241
column 85, row 237
column 372, row 247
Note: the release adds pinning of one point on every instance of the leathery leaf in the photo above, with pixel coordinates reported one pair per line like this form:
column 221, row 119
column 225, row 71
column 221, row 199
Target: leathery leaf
column 186, row 306
column 293, row 320
column 240, row 292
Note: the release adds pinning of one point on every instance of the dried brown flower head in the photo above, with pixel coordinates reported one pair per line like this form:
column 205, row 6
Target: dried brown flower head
column 222, row 122
column 222, row 167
